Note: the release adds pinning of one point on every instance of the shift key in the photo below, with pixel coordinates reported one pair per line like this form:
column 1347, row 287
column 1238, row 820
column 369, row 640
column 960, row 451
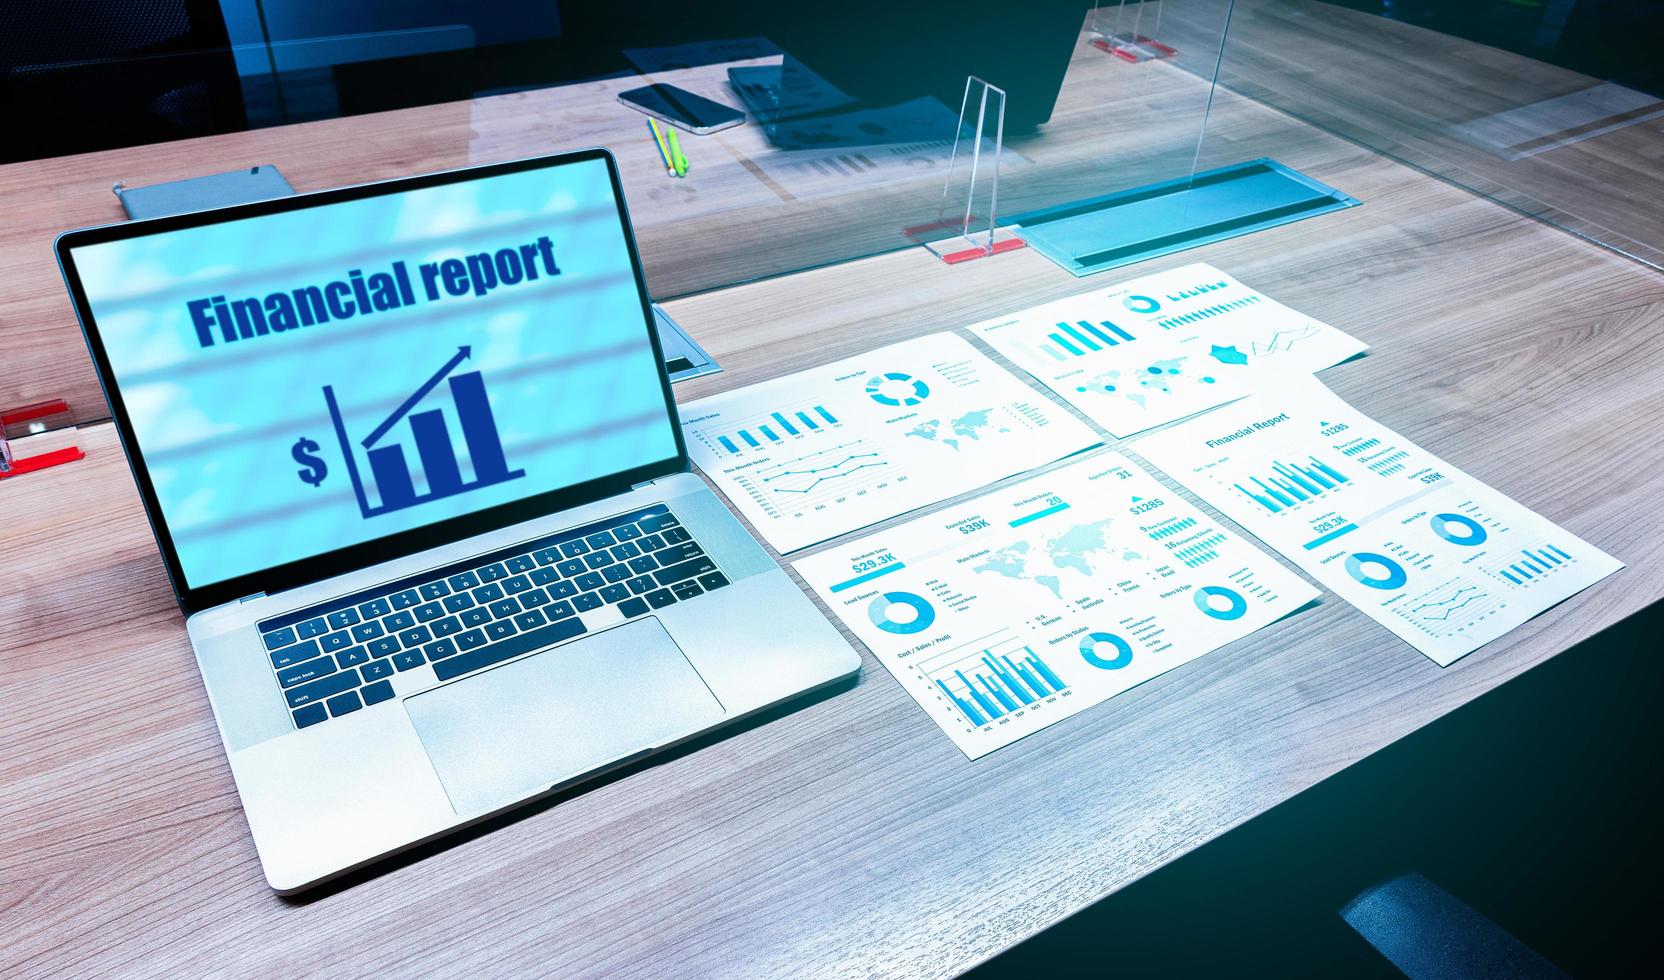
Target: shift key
column 685, row 570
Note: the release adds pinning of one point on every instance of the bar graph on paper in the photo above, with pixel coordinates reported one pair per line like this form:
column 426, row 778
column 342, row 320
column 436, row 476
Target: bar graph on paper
column 1289, row 484
column 984, row 683
column 1079, row 337
column 768, row 430
column 394, row 483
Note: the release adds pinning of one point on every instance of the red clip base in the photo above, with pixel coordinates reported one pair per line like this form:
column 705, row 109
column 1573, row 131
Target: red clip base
column 29, row 464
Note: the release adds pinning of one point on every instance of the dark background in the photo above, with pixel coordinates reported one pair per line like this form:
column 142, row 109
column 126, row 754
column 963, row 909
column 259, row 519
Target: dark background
column 1537, row 804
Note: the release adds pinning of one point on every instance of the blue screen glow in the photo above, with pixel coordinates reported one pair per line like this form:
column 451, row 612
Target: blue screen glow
column 305, row 381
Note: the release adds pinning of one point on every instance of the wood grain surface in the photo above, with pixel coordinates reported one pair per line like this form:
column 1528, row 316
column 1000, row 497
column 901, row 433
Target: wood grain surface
column 848, row 837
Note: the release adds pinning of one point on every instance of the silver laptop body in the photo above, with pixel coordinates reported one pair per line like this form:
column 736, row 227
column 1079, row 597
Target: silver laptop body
column 432, row 690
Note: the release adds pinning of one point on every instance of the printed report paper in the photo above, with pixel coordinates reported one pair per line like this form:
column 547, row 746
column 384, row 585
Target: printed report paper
column 812, row 455
column 1439, row 558
column 1006, row 613
column 1162, row 347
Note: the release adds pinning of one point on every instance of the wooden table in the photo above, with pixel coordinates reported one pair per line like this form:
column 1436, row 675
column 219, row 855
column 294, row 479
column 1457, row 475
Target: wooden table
column 848, row 837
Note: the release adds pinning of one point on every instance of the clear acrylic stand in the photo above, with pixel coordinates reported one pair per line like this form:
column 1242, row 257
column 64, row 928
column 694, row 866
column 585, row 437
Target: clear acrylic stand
column 1129, row 45
column 966, row 226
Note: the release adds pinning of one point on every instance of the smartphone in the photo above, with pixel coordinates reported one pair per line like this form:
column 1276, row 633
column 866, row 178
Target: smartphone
column 682, row 108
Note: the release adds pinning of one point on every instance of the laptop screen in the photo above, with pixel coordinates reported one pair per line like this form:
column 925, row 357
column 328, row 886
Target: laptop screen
column 304, row 381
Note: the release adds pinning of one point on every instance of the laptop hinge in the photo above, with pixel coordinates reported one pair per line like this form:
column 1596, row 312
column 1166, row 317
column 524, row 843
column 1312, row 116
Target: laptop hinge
column 251, row 598
column 643, row 484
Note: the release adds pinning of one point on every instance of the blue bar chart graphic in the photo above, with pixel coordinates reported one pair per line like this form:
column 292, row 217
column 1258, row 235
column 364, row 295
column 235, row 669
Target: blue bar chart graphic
column 776, row 426
column 1076, row 339
column 1292, row 484
column 390, row 469
column 1532, row 564
column 997, row 684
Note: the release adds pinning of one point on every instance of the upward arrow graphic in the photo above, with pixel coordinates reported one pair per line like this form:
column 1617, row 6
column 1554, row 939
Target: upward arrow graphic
column 462, row 354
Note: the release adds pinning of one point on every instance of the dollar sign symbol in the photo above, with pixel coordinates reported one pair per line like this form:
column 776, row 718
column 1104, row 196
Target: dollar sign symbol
column 305, row 453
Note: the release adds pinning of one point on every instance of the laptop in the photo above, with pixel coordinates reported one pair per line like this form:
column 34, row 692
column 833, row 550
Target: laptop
column 413, row 463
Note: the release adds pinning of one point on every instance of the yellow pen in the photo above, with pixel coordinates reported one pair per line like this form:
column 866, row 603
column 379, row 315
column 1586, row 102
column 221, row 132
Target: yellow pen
column 663, row 148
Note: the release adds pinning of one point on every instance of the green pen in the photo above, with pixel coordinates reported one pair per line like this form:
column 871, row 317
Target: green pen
column 676, row 156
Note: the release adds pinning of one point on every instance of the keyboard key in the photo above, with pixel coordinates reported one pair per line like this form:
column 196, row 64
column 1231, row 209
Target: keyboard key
column 408, row 660
column 280, row 638
column 713, row 580
column 572, row 549
column 589, row 581
column 399, row 621
column 326, row 687
column 465, row 580
column 440, row 648
column 352, row 657
column 687, row 569
column 598, row 560
column 633, row 607
column 520, row 563
column 476, row 616
column 533, row 599
column 513, row 647
column 383, row 646
column 427, row 612
column 518, row 583
column 642, row 564
column 548, row 556
column 435, row 590
column 446, row 627
column 336, row 641
column 405, row 599
column 561, row 610
column 500, row 630
column 615, row 573
column 686, row 589
column 562, row 590
column 505, row 607
column 295, row 654
column 642, row 585
column 415, row 636
column 311, row 670
column 375, row 670
column 675, row 535
column 601, row 539
column 571, row 567
column 365, row 632
column 377, row 692
column 492, row 573
column 311, row 628
column 531, row 619
column 612, row 593
column 342, row 618
column 374, row 608
column 585, row 601
column 458, row 602
column 651, row 542
column 488, row 593
column 471, row 639
column 344, row 704
column 625, row 551
column 658, row 522
column 626, row 532
column 679, row 552
column 310, row 715
column 543, row 576
column 660, row 598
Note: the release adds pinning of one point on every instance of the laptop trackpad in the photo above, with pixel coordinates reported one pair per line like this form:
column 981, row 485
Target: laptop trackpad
column 520, row 728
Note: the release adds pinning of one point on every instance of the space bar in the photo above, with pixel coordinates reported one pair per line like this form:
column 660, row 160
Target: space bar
column 514, row 646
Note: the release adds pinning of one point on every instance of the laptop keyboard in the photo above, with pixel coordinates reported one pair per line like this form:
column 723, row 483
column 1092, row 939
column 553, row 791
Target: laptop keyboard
column 337, row 657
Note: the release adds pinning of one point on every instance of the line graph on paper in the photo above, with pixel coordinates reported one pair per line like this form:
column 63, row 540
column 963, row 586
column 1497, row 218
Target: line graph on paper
column 1283, row 340
column 803, row 483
